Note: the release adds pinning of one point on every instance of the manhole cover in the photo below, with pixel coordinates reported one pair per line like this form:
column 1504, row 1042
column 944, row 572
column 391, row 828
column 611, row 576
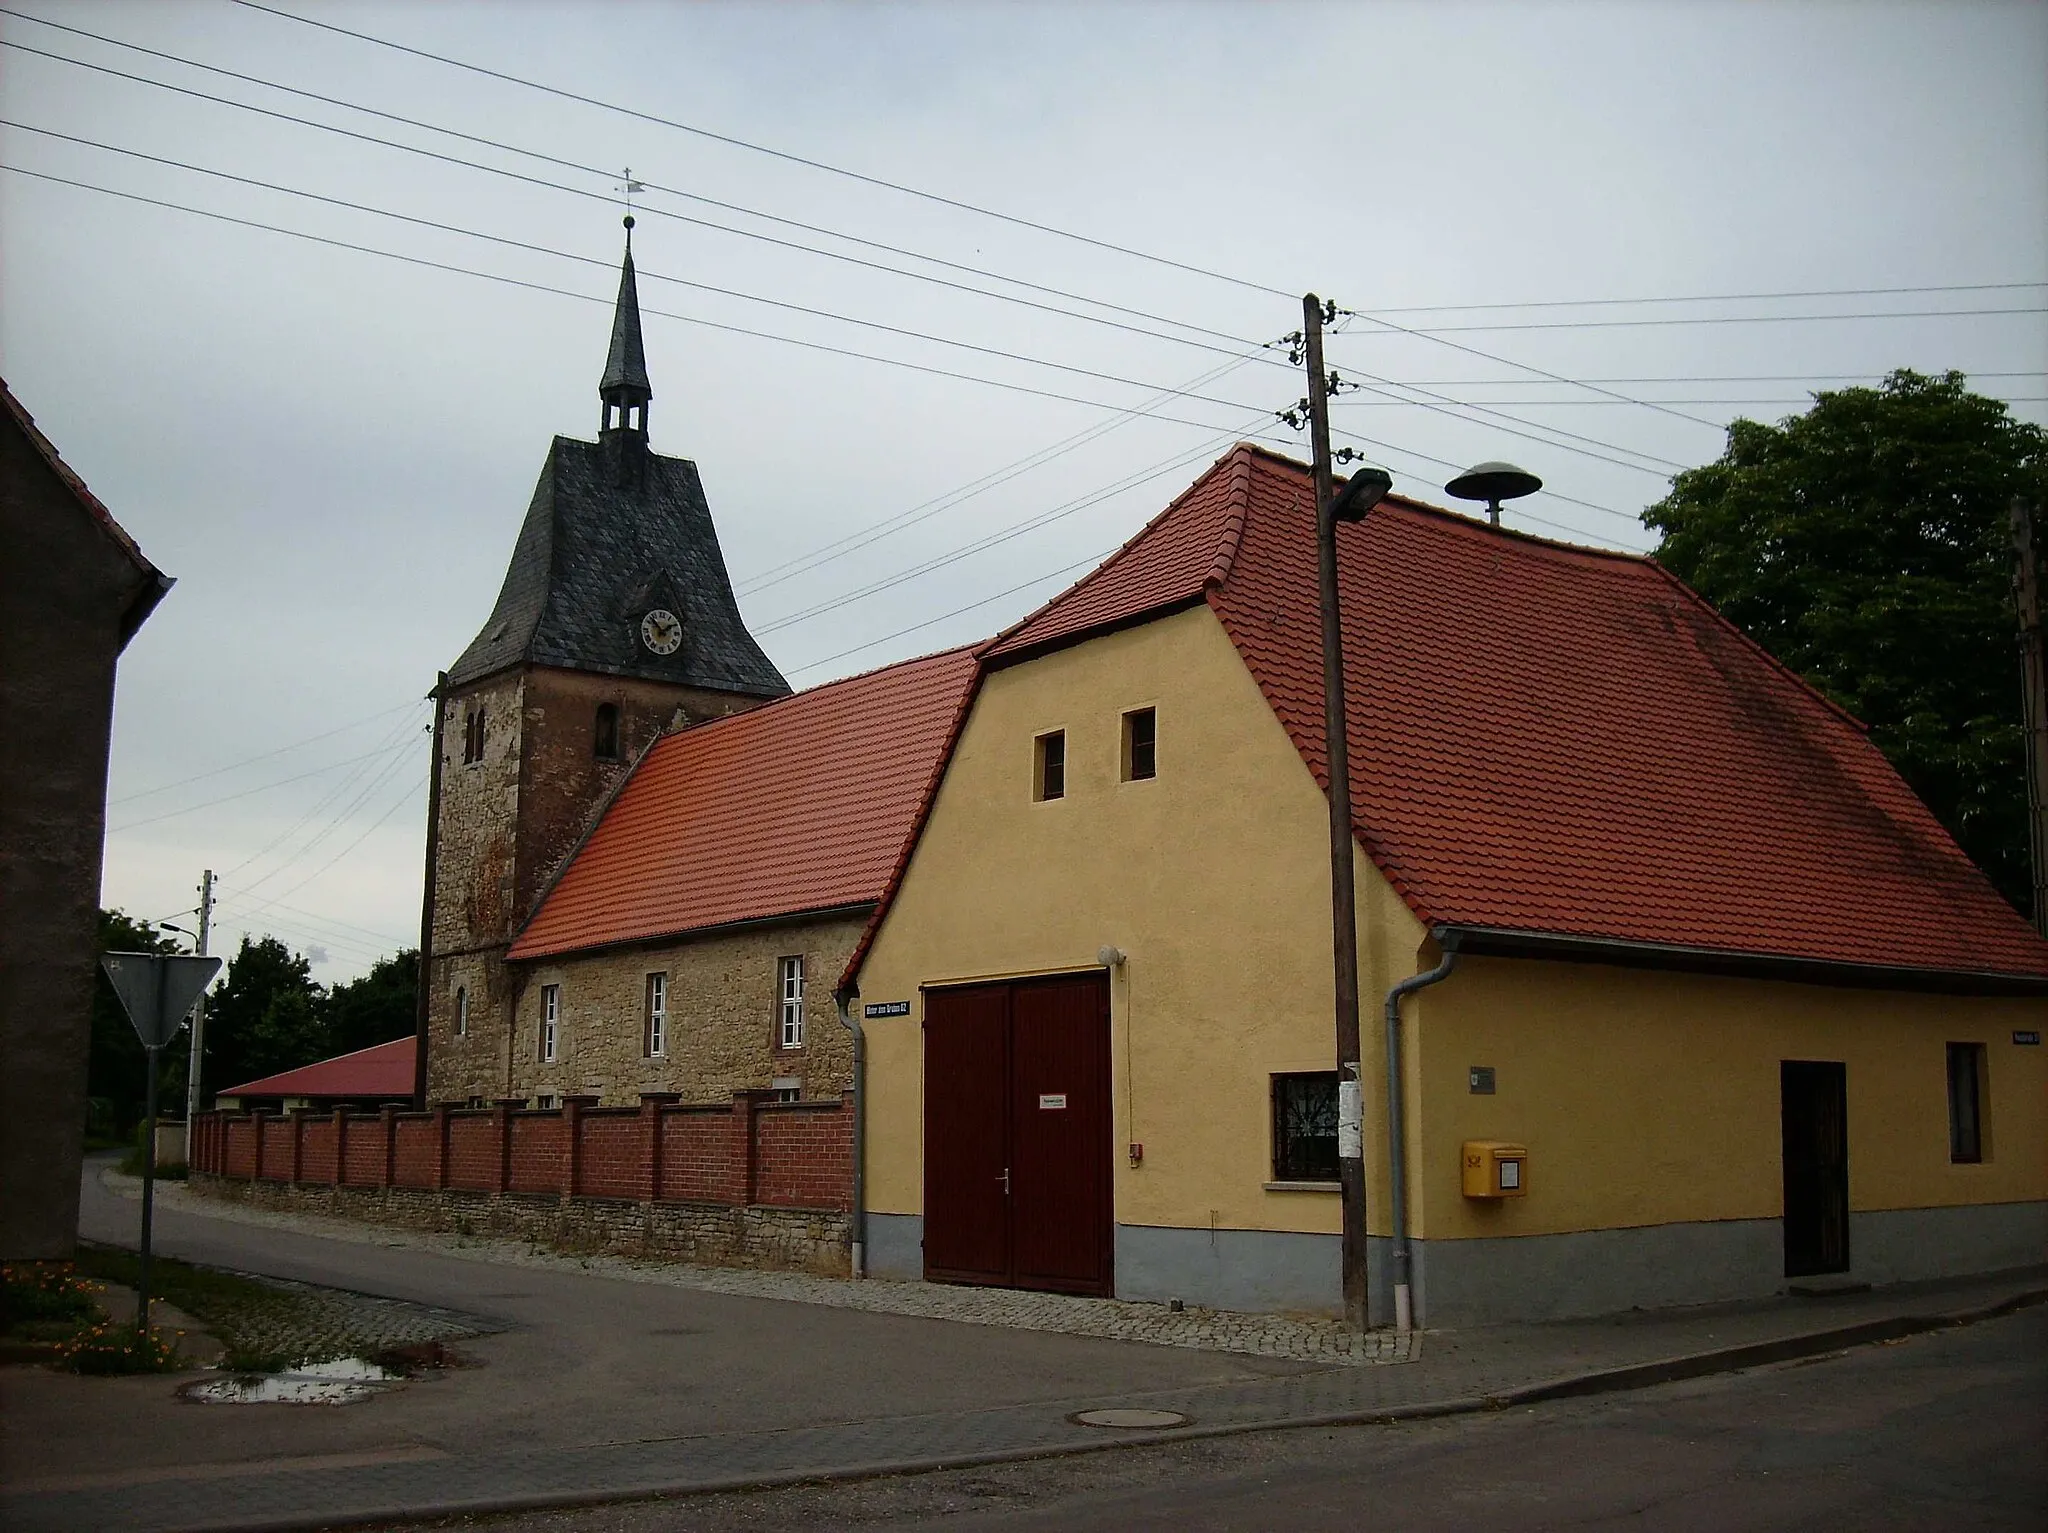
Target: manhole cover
column 1120, row 1417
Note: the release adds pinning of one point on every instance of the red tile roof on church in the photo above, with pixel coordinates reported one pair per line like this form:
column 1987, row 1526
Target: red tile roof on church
column 383, row 1070
column 800, row 805
column 1560, row 740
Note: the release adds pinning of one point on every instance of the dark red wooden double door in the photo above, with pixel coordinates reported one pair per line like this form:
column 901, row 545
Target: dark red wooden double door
column 1017, row 1135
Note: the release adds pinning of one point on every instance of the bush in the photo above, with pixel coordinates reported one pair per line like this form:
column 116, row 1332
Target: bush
column 111, row 1348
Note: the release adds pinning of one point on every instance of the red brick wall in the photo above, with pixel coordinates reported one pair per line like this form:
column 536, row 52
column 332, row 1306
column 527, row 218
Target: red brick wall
column 742, row 1152
column 277, row 1149
column 316, row 1154
column 803, row 1155
column 473, row 1151
column 612, row 1156
column 417, row 1163
column 365, row 1166
column 540, row 1153
column 240, row 1159
column 696, row 1164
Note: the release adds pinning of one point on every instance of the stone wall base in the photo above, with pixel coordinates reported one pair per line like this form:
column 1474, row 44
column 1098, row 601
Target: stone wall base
column 707, row 1234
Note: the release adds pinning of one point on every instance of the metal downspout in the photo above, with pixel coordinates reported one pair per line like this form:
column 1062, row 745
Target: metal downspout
column 1397, row 1141
column 848, row 1020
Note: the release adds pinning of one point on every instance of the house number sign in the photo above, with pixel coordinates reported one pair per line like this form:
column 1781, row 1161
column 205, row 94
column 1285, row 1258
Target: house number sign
column 888, row 1008
column 1052, row 1101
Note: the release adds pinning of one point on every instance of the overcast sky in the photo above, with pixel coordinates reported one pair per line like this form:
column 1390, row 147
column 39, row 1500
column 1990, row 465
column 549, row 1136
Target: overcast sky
column 332, row 449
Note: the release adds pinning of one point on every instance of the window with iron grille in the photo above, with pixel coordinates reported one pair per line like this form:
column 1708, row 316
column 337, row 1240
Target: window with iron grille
column 657, row 1015
column 550, row 1021
column 1305, row 1127
column 790, row 1002
column 1966, row 1103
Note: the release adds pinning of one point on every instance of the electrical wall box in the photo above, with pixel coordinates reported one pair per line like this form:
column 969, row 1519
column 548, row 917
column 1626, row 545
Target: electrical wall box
column 1496, row 1169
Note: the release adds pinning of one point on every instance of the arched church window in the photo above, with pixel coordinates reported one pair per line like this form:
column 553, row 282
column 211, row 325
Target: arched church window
column 605, row 744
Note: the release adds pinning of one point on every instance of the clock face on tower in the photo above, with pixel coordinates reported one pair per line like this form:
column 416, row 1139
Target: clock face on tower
column 661, row 631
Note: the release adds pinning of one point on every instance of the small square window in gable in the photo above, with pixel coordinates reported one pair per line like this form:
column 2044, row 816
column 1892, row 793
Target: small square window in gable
column 1141, row 744
column 1049, row 766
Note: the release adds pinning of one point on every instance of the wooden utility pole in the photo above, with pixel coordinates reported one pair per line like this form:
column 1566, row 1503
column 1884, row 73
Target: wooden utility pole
column 1343, row 894
column 192, row 1082
column 2034, row 681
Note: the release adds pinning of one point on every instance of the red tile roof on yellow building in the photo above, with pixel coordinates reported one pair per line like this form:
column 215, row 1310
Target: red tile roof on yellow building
column 1559, row 740
column 382, row 1070
column 798, row 806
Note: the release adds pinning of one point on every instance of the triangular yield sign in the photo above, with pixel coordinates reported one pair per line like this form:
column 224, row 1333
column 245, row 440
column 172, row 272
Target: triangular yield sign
column 158, row 990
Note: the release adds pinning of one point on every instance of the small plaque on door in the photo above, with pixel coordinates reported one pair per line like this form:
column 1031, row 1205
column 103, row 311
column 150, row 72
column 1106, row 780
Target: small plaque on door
column 1052, row 1101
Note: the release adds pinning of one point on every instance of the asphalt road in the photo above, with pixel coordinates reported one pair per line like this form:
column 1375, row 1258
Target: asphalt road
column 583, row 1359
column 1943, row 1431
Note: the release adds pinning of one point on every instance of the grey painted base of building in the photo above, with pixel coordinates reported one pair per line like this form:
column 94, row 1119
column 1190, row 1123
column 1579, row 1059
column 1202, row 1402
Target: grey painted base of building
column 1530, row 1277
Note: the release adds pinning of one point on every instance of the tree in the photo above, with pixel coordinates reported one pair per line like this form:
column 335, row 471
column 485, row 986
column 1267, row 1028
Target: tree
column 117, row 1073
column 1865, row 545
column 376, row 1008
column 265, row 1017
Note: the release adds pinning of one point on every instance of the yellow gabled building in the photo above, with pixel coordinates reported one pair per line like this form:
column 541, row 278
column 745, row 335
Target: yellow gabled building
column 1719, row 1000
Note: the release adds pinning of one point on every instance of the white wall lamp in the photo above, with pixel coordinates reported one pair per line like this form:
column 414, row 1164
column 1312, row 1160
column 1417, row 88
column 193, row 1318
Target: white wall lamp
column 1110, row 957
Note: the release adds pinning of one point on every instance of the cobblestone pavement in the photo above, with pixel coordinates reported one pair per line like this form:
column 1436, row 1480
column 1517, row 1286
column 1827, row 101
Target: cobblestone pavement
column 1303, row 1338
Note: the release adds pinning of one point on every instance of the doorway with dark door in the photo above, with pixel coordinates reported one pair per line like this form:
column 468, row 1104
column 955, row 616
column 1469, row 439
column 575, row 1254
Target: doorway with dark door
column 1017, row 1135
column 1814, row 1117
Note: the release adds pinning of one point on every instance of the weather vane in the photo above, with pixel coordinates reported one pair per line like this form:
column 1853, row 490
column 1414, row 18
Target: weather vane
column 629, row 188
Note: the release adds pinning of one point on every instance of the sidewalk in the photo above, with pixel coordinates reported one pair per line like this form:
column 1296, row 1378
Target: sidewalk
column 1451, row 1372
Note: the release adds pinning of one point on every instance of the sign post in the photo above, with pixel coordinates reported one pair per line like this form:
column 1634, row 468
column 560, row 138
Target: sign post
column 158, row 991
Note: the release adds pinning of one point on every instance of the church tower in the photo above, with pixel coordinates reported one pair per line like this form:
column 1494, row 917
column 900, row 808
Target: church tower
column 616, row 622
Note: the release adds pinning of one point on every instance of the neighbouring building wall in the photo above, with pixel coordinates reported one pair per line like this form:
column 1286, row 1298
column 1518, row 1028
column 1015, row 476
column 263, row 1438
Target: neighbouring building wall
column 723, row 1024
column 1650, row 1106
column 1214, row 878
column 65, row 588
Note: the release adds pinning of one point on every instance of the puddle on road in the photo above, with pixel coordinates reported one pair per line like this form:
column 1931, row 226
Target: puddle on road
column 340, row 1382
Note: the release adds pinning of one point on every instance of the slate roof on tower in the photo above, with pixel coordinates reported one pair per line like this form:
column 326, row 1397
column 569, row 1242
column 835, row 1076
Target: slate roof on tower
column 614, row 531
column 594, row 555
column 1559, row 742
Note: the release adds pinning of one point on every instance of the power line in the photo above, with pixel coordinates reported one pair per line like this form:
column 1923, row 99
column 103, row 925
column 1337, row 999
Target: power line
column 1463, row 383
column 956, row 612
column 1436, row 331
column 793, row 159
column 705, row 287
column 389, row 768
column 398, row 804
column 265, row 756
column 1818, row 292
column 593, row 196
column 1006, row 534
column 1559, row 404
column 542, row 287
column 391, row 748
column 925, row 510
column 315, row 918
column 231, row 797
column 550, row 159
column 1450, row 407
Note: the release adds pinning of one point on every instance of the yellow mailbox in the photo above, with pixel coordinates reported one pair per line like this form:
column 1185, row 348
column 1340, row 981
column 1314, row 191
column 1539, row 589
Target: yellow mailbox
column 1496, row 1169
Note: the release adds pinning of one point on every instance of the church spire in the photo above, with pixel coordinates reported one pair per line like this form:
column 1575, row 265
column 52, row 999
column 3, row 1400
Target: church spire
column 624, row 388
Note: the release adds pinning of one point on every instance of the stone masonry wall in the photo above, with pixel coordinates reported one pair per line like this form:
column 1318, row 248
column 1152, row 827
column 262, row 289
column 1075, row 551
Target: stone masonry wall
column 707, row 1234
column 507, row 823
column 723, row 1022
